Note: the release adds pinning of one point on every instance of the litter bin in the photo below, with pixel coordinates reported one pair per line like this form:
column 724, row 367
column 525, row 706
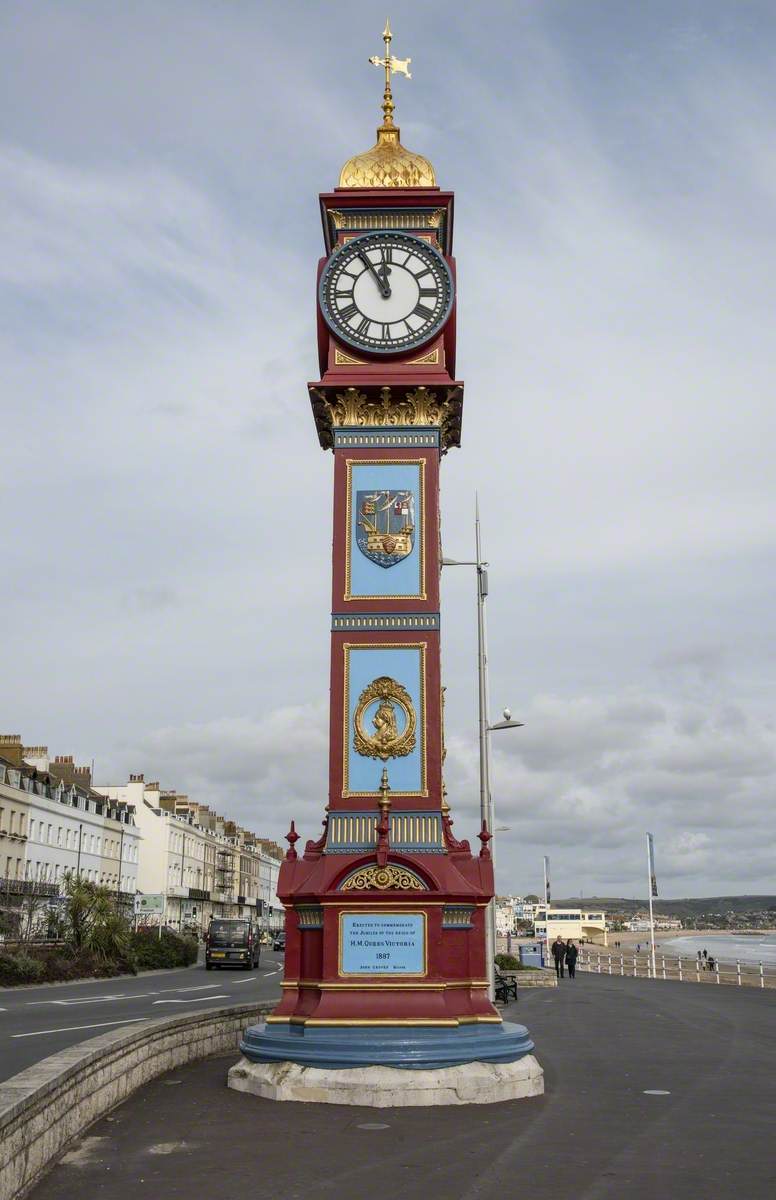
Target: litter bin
column 531, row 956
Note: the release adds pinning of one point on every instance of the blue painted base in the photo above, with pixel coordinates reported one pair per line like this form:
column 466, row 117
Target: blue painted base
column 406, row 1046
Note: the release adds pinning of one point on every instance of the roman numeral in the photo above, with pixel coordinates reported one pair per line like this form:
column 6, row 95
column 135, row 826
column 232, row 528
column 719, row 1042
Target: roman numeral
column 424, row 313
column 428, row 292
column 348, row 312
column 387, row 254
column 363, row 325
column 386, row 333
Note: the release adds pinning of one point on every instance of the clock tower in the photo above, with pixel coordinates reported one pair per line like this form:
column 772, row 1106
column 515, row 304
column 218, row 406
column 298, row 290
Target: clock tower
column 385, row 961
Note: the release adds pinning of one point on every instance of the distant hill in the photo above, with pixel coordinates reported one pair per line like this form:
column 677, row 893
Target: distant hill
column 689, row 906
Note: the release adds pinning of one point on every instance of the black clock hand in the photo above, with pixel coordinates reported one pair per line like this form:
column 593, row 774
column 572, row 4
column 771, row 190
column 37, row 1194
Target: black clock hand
column 385, row 290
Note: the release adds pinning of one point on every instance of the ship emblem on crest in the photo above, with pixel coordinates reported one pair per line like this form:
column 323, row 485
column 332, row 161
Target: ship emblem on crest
column 385, row 530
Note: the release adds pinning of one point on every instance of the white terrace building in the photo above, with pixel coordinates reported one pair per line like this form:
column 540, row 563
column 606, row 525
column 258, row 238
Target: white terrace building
column 203, row 865
column 52, row 822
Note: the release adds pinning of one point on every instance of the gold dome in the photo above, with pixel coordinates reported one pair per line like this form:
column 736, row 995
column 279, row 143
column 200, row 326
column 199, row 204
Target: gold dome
column 387, row 165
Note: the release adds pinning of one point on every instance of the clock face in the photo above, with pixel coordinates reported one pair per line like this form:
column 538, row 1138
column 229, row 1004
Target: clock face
column 386, row 292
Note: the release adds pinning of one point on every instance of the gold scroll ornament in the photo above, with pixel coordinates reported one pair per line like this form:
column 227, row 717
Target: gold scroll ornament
column 383, row 878
column 387, row 741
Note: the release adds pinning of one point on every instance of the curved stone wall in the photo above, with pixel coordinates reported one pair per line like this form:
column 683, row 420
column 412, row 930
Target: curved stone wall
column 45, row 1107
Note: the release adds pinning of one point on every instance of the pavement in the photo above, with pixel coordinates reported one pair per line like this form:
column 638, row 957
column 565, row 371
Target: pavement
column 38, row 1021
column 654, row 1091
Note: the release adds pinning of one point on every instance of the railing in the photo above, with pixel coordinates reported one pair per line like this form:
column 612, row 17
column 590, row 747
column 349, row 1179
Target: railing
column 27, row 887
column 685, row 970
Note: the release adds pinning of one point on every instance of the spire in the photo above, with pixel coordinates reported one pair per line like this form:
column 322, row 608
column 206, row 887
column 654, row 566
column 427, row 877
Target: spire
column 391, row 65
column 388, row 163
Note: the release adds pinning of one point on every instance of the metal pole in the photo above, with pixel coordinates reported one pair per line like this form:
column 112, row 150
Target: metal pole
column 78, row 861
column 651, row 914
column 121, row 855
column 486, row 803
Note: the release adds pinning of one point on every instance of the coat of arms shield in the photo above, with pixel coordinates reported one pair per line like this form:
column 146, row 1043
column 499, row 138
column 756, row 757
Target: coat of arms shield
column 385, row 526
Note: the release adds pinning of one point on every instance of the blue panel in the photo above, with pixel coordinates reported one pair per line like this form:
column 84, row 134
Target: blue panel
column 402, row 1046
column 383, row 944
column 363, row 665
column 404, row 578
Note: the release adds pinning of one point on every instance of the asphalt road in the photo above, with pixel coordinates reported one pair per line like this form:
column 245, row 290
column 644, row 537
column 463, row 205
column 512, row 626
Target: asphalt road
column 655, row 1091
column 38, row 1021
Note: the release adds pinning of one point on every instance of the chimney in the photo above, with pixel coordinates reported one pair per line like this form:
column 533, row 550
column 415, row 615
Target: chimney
column 64, row 768
column 11, row 748
column 136, row 778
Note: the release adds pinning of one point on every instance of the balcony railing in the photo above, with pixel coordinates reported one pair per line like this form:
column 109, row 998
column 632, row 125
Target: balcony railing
column 27, row 887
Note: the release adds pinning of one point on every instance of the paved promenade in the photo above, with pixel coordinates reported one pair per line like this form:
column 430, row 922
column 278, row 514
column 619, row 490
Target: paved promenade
column 596, row 1135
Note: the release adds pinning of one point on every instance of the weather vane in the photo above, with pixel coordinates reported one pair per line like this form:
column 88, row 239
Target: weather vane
column 390, row 64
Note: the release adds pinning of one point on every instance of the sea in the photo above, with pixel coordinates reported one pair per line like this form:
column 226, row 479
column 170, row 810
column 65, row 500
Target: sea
column 727, row 947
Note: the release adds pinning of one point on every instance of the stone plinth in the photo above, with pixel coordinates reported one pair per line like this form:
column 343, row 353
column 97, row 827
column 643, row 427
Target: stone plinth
column 390, row 1087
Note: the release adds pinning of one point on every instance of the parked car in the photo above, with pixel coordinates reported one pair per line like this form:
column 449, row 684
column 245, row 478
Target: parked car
column 232, row 943
column 279, row 941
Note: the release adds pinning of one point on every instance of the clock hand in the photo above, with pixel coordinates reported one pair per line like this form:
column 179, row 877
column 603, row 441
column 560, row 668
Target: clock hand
column 385, row 290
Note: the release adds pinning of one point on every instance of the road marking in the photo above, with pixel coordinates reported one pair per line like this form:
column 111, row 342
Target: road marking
column 656, row 1092
column 193, row 999
column 204, row 987
column 72, row 1028
column 248, row 980
column 268, row 973
column 94, row 999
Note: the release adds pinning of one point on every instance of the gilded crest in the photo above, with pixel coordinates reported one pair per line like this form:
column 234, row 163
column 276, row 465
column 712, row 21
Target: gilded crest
column 386, row 526
column 388, row 707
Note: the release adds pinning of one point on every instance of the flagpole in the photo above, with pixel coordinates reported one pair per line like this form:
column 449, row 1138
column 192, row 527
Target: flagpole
column 546, row 903
column 650, row 874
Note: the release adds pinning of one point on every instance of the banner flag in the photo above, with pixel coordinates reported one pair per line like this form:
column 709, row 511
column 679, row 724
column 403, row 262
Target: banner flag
column 547, row 896
column 652, row 875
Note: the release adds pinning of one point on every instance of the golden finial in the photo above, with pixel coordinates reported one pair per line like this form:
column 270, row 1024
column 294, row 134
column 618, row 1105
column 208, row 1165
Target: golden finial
column 388, row 163
column 384, row 801
column 390, row 65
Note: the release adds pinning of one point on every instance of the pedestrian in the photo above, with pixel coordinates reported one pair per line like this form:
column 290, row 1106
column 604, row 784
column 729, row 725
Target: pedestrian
column 559, row 954
column 705, row 954
column 571, row 959
column 710, row 963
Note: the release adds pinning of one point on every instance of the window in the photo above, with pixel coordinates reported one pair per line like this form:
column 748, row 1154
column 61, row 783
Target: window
column 48, row 836
column 59, row 836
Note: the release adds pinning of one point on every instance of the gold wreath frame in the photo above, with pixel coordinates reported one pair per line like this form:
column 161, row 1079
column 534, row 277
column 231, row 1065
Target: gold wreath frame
column 366, row 744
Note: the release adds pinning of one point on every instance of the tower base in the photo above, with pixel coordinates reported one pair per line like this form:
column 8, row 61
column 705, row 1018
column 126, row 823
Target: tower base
column 390, row 1087
column 413, row 1047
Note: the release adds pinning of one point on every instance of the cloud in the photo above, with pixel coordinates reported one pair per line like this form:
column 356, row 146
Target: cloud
column 167, row 541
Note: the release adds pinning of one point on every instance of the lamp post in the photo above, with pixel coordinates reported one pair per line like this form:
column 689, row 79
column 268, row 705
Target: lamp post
column 487, row 813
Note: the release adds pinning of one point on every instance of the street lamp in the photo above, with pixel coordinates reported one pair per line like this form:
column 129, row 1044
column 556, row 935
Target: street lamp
column 486, row 799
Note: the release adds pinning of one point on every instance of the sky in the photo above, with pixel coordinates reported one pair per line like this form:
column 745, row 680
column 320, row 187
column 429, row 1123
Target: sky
column 166, row 507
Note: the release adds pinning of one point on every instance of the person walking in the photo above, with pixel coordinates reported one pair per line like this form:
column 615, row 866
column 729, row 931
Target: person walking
column 559, row 954
column 571, row 959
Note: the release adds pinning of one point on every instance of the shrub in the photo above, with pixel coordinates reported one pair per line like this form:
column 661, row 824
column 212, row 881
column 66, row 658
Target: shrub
column 152, row 952
column 508, row 962
column 19, row 968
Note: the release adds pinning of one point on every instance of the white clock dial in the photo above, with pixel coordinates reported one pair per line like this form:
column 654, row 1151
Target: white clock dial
column 386, row 292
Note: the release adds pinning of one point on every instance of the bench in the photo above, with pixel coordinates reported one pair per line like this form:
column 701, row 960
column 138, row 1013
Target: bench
column 506, row 988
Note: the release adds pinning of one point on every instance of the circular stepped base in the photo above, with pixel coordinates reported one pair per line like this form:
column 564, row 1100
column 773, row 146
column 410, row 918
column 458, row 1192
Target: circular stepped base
column 408, row 1047
column 390, row 1087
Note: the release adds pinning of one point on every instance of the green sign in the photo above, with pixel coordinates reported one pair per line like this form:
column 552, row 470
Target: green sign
column 150, row 903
